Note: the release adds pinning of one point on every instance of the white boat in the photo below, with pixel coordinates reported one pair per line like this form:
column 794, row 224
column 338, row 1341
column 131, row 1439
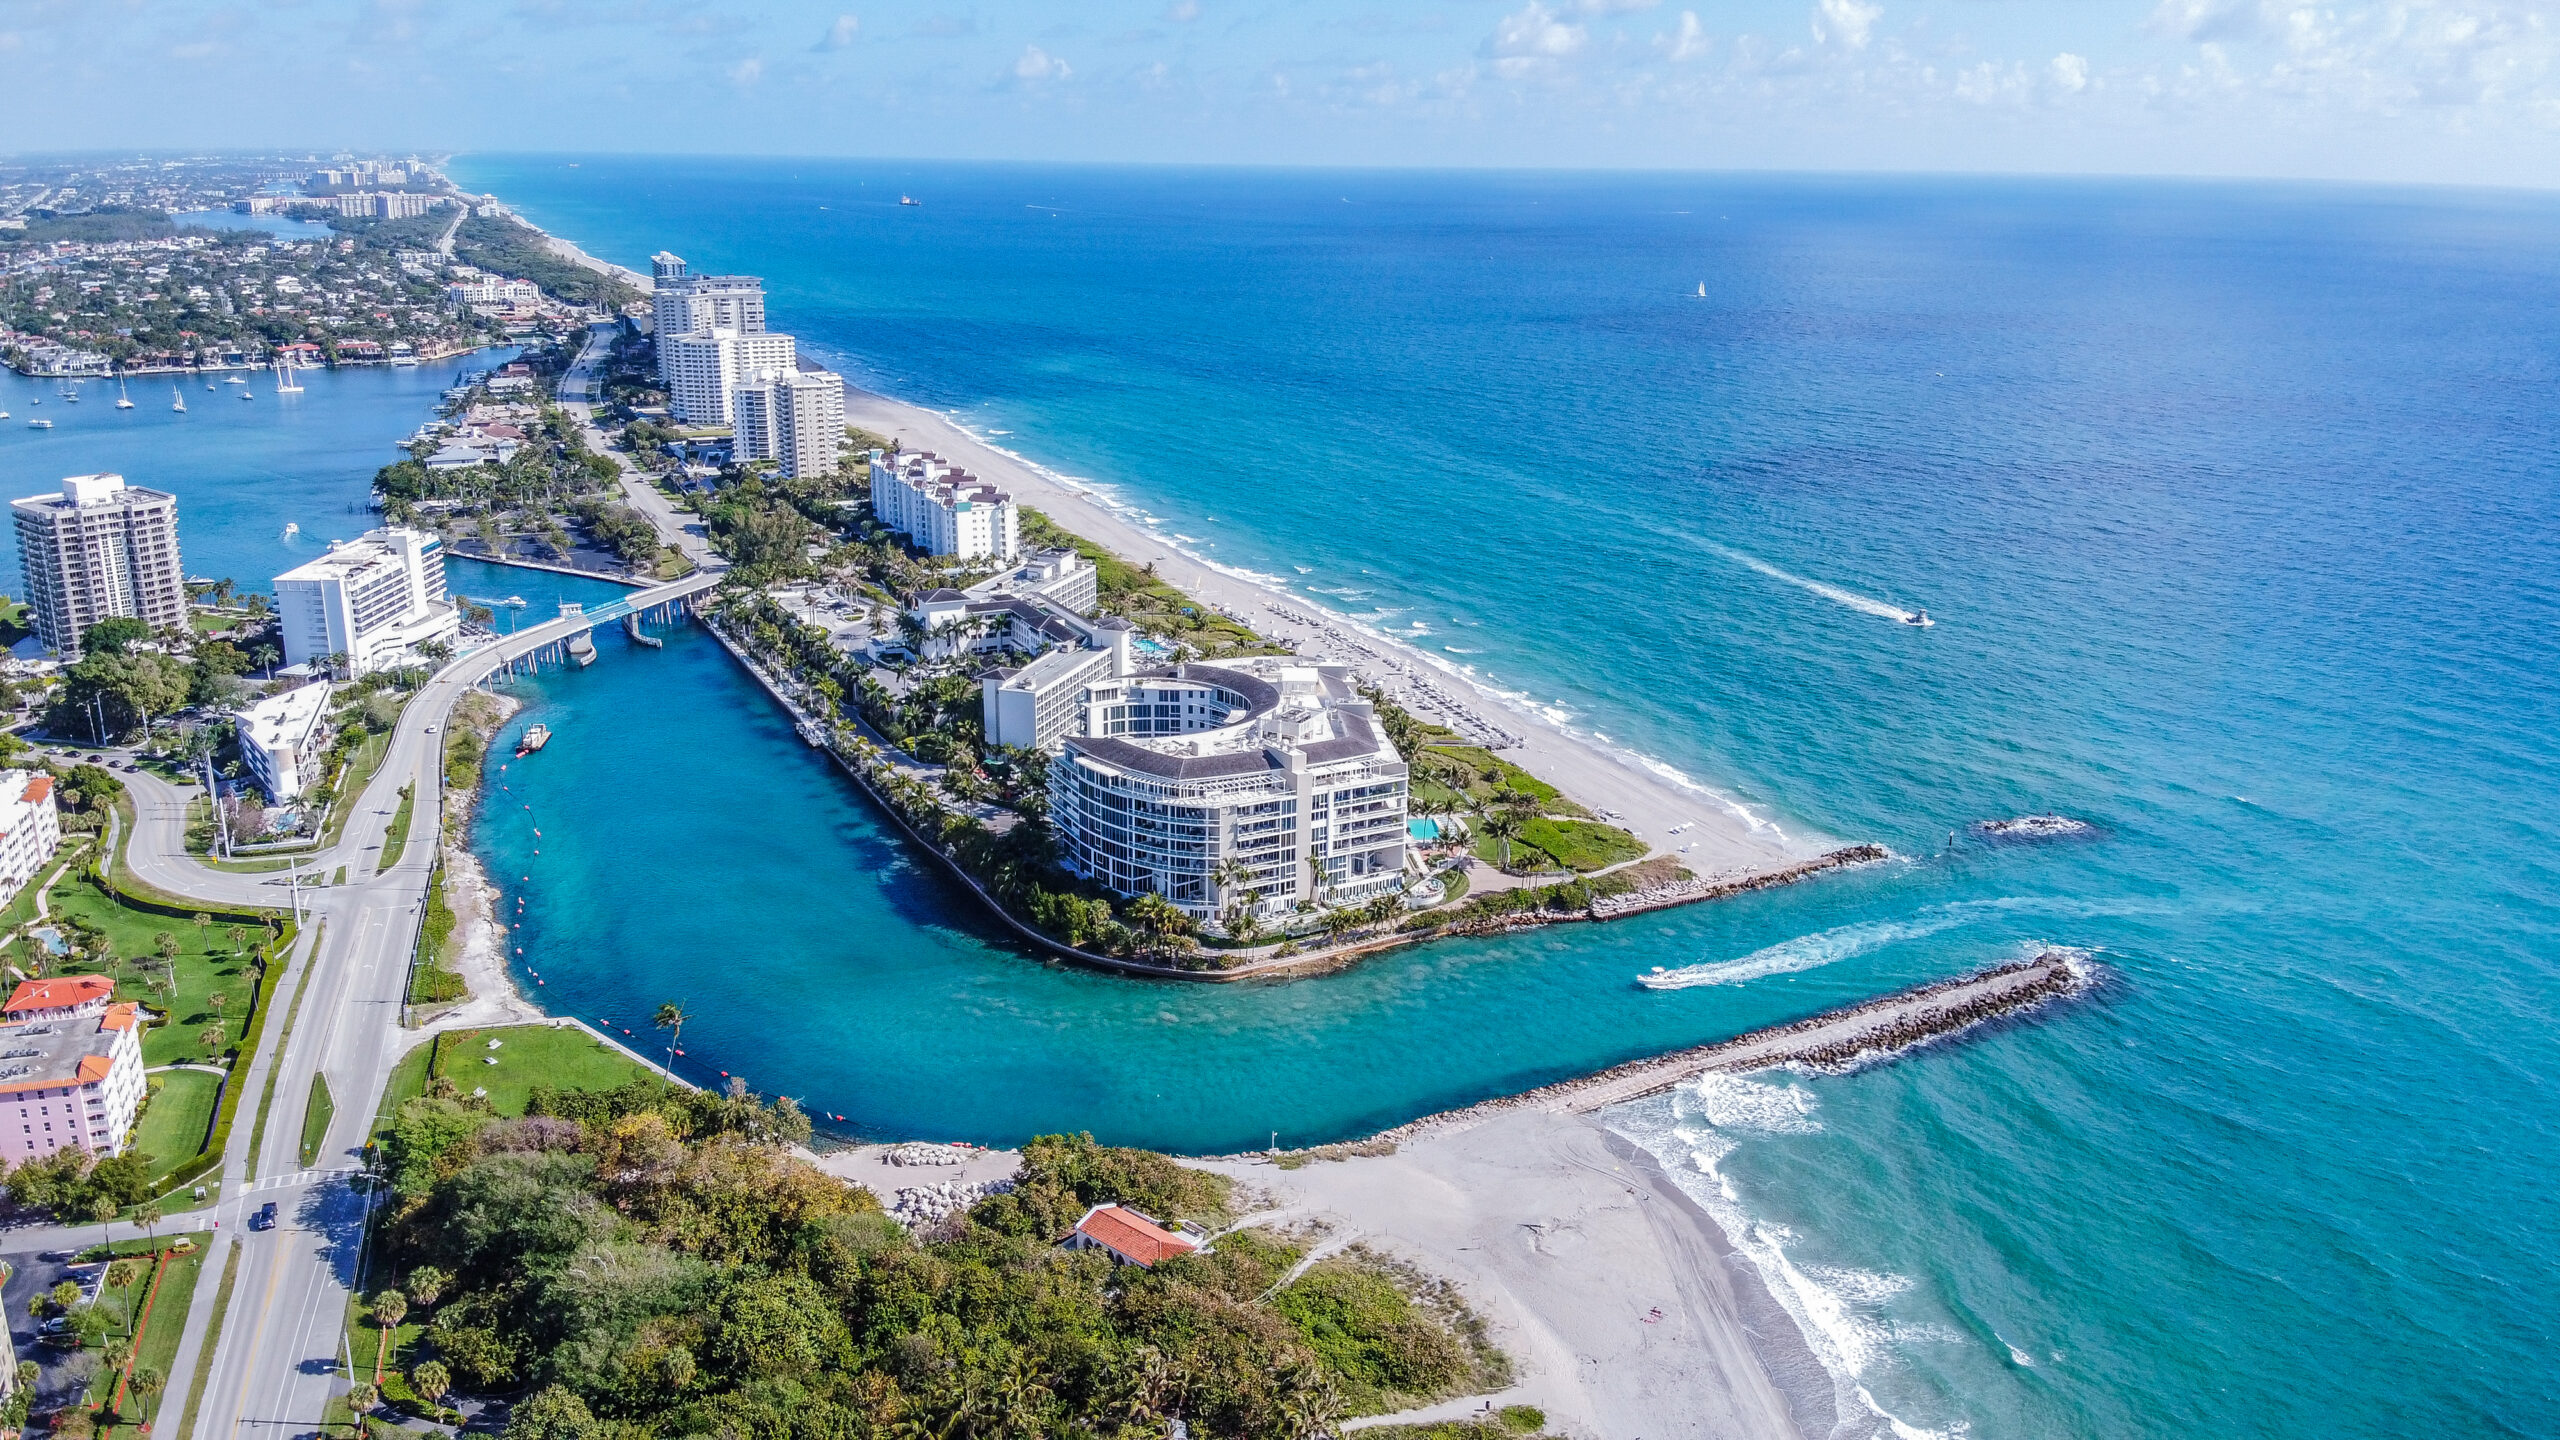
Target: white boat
column 4, row 414
column 124, row 400
column 285, row 383
column 233, row 380
column 177, row 401
column 39, row 424
column 1918, row 617
column 513, row 602
column 248, row 394
column 291, row 529
column 1702, row 289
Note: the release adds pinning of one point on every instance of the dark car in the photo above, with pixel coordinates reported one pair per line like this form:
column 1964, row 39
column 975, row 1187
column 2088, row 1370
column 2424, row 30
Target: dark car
column 265, row 1219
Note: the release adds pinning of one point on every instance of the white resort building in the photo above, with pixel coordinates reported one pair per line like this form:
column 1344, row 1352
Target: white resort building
column 943, row 509
column 794, row 418
column 1271, row 766
column 704, row 368
column 70, row 1068
column 30, row 828
column 282, row 740
column 99, row 548
column 374, row 599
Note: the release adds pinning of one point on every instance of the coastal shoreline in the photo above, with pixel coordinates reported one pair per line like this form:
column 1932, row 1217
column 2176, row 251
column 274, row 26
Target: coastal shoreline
column 1717, row 838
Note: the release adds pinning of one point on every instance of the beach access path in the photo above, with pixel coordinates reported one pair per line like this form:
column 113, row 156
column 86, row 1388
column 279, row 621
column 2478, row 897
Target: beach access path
column 1710, row 835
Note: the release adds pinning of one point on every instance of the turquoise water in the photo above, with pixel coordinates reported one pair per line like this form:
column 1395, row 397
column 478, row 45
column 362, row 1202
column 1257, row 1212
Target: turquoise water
column 2235, row 505
column 242, row 469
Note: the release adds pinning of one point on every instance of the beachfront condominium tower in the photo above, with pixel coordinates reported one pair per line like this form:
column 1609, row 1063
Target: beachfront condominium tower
column 98, row 549
column 374, row 600
column 1256, row 783
column 665, row 269
column 945, row 510
column 684, row 303
column 705, row 367
column 794, row 418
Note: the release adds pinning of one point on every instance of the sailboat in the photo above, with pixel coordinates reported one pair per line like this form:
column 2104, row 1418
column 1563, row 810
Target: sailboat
column 285, row 384
column 177, row 401
column 124, row 398
column 1702, row 289
column 70, row 393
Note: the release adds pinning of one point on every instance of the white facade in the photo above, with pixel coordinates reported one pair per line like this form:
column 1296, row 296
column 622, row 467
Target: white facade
column 282, row 740
column 794, row 418
column 30, row 828
column 684, row 303
column 1273, row 765
column 99, row 548
column 703, row 368
column 374, row 599
column 494, row 294
column 943, row 509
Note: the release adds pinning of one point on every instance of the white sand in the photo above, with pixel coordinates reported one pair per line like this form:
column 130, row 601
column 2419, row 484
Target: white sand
column 1722, row 843
column 1626, row 1312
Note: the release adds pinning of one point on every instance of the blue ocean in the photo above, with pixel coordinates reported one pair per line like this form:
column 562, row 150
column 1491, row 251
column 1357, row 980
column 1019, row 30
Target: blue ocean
column 2234, row 505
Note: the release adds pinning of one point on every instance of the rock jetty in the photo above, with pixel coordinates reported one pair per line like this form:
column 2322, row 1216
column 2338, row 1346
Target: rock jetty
column 1836, row 1040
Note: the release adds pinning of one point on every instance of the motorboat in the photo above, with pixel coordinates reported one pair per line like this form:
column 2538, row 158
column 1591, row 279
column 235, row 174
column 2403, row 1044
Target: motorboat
column 1918, row 617
column 535, row 737
column 909, row 200
column 39, row 424
column 233, row 380
column 513, row 602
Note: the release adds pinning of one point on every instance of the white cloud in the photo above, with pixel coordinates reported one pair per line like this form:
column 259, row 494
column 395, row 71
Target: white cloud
column 840, row 35
column 746, row 72
column 1039, row 64
column 1531, row 38
column 1689, row 42
column 2070, row 73
column 2202, row 20
column 1612, row 7
column 1182, row 12
column 1846, row 23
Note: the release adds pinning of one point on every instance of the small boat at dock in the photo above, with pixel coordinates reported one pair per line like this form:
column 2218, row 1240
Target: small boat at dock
column 535, row 737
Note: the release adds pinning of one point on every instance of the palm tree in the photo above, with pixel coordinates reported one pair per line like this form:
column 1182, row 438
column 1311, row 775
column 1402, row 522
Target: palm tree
column 145, row 1383
column 203, row 924
column 432, row 1382
column 1230, row 873
column 1382, row 909
column 1503, row 825
column 1157, row 918
column 149, row 1218
column 426, row 1285
column 389, row 1308
column 671, row 1018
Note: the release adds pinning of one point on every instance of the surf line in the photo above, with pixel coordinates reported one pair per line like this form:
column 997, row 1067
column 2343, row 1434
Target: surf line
column 1864, row 604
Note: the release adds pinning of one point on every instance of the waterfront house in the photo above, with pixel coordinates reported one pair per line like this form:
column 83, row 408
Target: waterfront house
column 1132, row 1237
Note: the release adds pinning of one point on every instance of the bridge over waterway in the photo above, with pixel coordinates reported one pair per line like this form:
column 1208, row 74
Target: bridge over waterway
column 549, row 641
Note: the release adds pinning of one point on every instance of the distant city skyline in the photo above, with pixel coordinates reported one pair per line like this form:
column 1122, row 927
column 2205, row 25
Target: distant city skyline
column 2464, row 91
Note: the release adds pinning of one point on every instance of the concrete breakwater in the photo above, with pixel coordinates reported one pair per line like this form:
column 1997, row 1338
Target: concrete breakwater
column 1834, row 1040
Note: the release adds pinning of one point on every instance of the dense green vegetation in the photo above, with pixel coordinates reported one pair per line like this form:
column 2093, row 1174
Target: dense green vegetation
column 410, row 232
column 507, row 246
column 432, row 981
column 647, row 1262
column 106, row 225
column 528, row 1068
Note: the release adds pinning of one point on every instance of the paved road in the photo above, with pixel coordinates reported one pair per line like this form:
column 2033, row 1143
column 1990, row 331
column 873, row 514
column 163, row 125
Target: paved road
column 273, row 1373
column 578, row 396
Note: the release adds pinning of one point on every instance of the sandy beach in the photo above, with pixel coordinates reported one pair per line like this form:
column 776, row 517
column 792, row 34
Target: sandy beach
column 1709, row 834
column 1623, row 1306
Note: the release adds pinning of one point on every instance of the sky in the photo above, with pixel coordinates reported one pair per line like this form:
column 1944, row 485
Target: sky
column 2456, row 91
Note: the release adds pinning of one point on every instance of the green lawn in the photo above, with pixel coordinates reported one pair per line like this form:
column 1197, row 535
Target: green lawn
column 173, row 1130
column 397, row 838
column 408, row 1081
column 167, row 1323
column 358, row 774
column 565, row 1058
column 208, row 965
column 316, row 1117
column 212, row 1340
column 1583, row 845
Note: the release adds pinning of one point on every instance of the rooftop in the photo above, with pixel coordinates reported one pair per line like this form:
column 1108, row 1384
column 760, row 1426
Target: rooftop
column 1133, row 1235
column 354, row 557
column 63, row 993
column 40, row 1054
column 290, row 716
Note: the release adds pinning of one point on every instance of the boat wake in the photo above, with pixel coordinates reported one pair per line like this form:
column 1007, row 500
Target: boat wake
column 2037, row 827
column 1847, row 942
column 1863, row 604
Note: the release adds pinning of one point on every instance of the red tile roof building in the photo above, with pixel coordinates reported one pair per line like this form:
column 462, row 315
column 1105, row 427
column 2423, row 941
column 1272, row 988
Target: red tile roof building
column 30, row 829
column 70, row 1069
column 1130, row 1237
